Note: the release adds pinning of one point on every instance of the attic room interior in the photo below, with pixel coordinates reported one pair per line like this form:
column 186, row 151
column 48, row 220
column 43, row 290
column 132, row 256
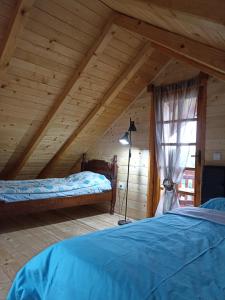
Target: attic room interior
column 112, row 149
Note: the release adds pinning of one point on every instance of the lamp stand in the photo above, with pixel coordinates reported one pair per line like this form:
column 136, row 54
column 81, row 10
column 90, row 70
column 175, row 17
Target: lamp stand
column 127, row 221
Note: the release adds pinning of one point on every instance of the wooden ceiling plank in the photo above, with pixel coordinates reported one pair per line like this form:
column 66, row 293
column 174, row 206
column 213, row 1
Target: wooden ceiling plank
column 89, row 59
column 204, row 57
column 15, row 26
column 198, row 8
column 156, row 72
column 110, row 95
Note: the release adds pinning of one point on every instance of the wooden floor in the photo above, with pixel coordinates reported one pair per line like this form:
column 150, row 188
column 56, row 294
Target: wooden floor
column 22, row 237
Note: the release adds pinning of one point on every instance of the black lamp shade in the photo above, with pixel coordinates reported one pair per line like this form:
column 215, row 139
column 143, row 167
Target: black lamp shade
column 132, row 126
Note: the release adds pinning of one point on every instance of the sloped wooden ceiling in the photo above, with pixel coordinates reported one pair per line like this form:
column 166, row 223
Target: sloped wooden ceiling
column 200, row 20
column 70, row 64
column 74, row 67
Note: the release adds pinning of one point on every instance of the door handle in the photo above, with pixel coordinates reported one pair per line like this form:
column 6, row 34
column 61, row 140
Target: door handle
column 197, row 156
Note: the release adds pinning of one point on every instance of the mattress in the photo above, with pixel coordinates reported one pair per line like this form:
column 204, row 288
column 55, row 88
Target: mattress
column 76, row 184
column 176, row 256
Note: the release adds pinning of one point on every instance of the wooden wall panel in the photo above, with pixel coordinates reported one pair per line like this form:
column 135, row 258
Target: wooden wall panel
column 215, row 122
column 109, row 145
column 140, row 112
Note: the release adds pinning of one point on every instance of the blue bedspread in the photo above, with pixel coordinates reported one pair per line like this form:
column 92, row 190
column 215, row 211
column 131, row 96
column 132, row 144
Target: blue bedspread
column 76, row 184
column 173, row 257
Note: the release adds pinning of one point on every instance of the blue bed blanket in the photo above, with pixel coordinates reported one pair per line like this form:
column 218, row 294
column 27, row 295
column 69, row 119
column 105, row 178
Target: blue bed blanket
column 172, row 257
column 76, row 184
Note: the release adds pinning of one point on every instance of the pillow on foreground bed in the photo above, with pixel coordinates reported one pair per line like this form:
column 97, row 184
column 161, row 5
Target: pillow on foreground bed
column 215, row 203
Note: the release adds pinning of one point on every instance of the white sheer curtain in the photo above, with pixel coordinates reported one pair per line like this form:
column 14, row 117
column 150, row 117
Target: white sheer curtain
column 175, row 110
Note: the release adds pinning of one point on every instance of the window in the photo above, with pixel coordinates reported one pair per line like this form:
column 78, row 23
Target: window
column 178, row 131
column 187, row 128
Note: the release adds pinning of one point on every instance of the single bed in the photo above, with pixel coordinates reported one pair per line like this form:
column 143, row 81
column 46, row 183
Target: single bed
column 176, row 256
column 95, row 184
column 179, row 255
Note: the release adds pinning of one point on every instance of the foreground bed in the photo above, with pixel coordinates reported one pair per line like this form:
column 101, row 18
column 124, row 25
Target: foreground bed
column 27, row 196
column 177, row 256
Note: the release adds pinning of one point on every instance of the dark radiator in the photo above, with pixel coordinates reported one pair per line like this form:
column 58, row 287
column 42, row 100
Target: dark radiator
column 213, row 182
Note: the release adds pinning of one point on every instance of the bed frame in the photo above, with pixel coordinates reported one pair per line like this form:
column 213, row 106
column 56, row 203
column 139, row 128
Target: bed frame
column 213, row 182
column 98, row 166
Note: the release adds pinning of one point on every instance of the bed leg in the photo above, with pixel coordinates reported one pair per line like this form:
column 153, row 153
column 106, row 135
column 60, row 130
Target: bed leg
column 112, row 207
column 114, row 169
column 113, row 201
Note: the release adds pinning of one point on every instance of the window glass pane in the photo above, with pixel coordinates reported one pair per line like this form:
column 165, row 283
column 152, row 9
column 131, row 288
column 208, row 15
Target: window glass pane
column 186, row 200
column 185, row 158
column 187, row 132
column 190, row 108
column 169, row 111
column 170, row 133
column 187, row 182
column 191, row 157
column 188, row 111
column 187, row 185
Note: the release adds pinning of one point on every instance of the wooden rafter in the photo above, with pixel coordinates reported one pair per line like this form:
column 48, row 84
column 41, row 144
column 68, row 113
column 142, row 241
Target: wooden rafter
column 111, row 94
column 203, row 57
column 15, row 26
column 73, row 83
column 165, row 61
column 198, row 8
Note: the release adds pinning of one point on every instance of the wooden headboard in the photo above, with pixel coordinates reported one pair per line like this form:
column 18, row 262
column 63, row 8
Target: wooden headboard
column 109, row 170
column 213, row 182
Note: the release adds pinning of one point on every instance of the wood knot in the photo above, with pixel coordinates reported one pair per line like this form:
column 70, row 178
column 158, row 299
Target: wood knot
column 23, row 12
column 182, row 46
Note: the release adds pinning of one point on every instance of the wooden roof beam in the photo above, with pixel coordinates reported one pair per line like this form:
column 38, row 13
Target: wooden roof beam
column 200, row 8
column 90, row 58
column 15, row 26
column 207, row 59
column 197, row 8
column 111, row 94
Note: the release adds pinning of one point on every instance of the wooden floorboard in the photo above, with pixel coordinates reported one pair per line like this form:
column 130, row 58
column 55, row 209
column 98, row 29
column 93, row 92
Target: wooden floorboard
column 22, row 237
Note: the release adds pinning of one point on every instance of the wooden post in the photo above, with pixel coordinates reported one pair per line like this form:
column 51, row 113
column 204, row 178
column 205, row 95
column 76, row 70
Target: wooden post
column 83, row 161
column 153, row 178
column 200, row 139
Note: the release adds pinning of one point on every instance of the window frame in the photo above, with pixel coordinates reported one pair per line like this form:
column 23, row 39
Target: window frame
column 154, row 189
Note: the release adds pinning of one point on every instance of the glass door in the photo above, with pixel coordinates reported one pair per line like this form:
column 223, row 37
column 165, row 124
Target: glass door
column 189, row 189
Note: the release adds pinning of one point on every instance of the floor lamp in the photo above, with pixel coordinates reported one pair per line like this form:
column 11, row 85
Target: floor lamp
column 126, row 139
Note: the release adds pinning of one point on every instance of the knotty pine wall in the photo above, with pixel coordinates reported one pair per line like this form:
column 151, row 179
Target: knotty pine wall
column 215, row 122
column 109, row 145
column 139, row 111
